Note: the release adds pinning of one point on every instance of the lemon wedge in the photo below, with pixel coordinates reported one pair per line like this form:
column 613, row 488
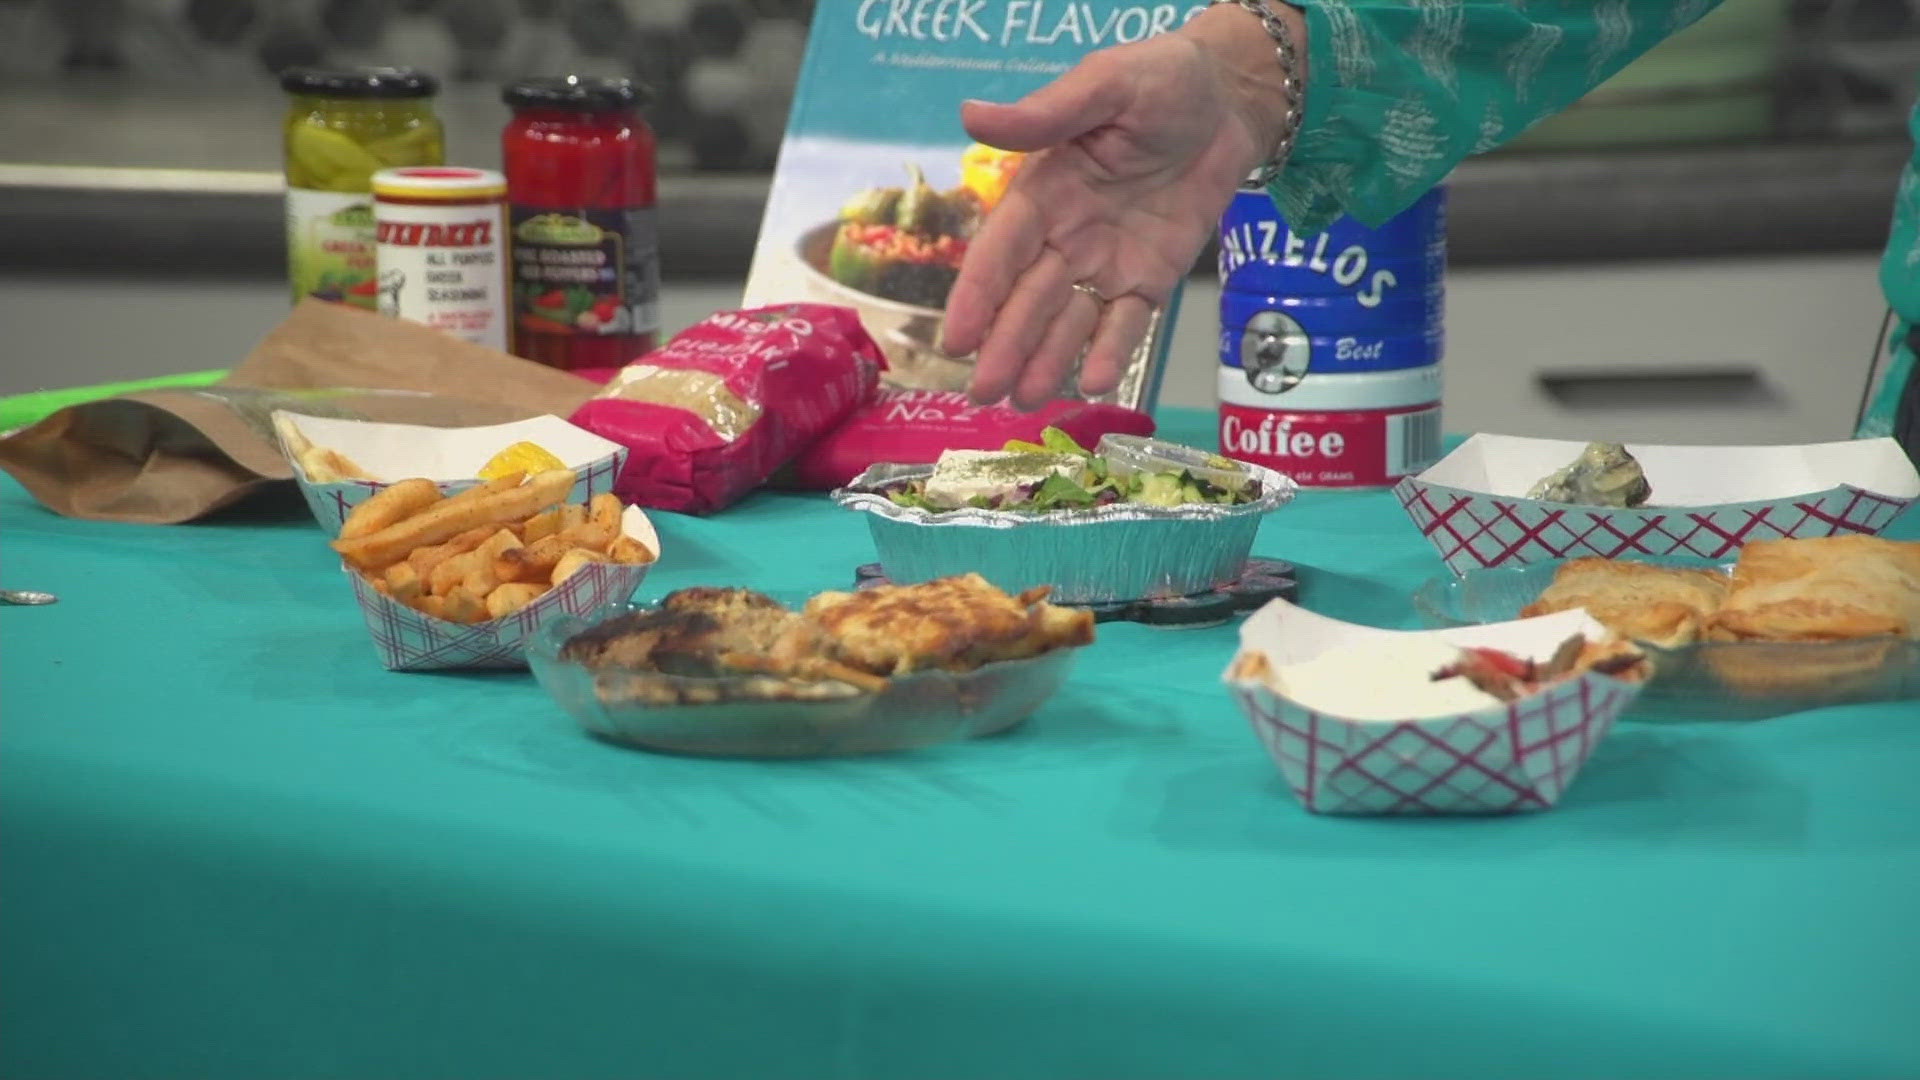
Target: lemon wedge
column 523, row 457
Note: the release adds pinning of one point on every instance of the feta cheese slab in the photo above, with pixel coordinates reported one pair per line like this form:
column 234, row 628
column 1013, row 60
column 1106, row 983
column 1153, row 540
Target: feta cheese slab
column 961, row 476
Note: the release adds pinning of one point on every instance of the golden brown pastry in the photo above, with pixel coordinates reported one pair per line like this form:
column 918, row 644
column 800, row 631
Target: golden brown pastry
column 955, row 624
column 1660, row 605
column 1833, row 588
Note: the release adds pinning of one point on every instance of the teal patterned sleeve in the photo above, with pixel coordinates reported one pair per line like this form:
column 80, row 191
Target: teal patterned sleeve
column 1900, row 280
column 1900, row 266
column 1400, row 91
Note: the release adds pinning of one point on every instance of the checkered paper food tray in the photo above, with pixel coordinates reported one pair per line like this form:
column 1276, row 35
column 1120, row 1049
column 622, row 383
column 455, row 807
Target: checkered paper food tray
column 451, row 457
column 1502, row 759
column 1708, row 500
column 410, row 640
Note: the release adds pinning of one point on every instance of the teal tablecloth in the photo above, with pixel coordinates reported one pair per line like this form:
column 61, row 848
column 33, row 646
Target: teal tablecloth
column 234, row 847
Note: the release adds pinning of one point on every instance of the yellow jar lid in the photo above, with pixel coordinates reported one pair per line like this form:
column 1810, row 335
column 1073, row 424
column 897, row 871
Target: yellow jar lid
column 450, row 182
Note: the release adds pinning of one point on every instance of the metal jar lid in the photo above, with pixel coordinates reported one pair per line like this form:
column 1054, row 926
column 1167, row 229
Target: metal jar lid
column 576, row 93
column 364, row 82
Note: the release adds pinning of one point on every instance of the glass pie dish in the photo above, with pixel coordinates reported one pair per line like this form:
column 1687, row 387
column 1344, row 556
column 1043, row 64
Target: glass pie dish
column 766, row 717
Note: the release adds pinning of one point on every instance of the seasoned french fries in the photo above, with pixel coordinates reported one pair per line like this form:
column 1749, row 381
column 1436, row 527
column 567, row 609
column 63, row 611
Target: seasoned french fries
column 625, row 549
column 571, row 563
column 511, row 597
column 388, row 506
column 424, row 560
column 531, row 562
column 601, row 528
column 403, row 582
column 541, row 525
column 464, row 607
column 450, row 517
column 487, row 552
column 323, row 465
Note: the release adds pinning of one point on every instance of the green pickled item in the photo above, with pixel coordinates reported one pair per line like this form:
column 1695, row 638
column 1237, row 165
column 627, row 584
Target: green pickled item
column 1060, row 442
column 874, row 206
column 324, row 156
column 406, row 148
column 333, row 146
column 919, row 210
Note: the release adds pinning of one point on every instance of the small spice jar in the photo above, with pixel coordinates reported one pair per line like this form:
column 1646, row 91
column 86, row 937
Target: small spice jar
column 341, row 127
column 442, row 250
column 580, row 179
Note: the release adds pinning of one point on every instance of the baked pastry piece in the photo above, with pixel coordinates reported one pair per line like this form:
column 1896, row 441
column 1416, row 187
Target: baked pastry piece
column 1660, row 605
column 953, row 624
column 753, row 647
column 1832, row 588
column 686, row 635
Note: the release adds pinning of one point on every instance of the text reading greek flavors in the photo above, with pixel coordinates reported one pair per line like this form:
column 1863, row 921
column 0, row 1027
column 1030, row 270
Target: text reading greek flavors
column 1030, row 22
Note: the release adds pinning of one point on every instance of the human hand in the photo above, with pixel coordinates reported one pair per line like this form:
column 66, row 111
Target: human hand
column 1133, row 155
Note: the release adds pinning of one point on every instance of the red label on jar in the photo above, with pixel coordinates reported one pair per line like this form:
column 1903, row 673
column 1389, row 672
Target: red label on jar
column 1353, row 448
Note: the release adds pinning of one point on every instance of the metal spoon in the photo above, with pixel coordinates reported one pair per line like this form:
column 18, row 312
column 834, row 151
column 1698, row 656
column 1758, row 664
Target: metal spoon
column 26, row 597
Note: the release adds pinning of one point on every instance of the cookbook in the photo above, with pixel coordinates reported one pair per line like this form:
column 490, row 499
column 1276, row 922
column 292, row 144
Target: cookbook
column 878, row 188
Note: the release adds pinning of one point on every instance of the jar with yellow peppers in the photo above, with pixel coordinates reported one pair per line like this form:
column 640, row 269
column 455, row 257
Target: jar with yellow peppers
column 343, row 126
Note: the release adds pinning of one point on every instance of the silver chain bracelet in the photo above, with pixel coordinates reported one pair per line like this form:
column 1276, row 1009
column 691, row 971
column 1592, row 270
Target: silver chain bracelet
column 1284, row 48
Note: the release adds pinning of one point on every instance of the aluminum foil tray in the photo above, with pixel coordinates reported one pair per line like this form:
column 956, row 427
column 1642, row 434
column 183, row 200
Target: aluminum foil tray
column 1106, row 554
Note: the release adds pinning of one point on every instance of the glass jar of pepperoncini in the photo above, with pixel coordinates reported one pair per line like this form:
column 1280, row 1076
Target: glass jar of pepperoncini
column 343, row 126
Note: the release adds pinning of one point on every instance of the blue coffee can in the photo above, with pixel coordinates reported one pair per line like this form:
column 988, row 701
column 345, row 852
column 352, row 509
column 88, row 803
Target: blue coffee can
column 1345, row 301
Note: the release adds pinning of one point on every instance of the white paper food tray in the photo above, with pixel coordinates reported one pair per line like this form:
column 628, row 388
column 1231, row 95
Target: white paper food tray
column 410, row 640
column 1707, row 500
column 450, row 457
column 1501, row 759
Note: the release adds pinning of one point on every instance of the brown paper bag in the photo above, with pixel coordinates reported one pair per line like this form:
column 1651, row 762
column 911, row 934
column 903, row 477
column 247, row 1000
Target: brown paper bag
column 167, row 456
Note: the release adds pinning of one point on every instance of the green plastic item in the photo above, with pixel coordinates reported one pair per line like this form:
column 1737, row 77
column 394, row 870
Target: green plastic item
column 21, row 410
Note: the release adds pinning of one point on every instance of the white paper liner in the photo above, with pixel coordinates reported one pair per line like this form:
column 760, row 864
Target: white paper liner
column 1503, row 759
column 410, row 640
column 450, row 457
column 1472, row 504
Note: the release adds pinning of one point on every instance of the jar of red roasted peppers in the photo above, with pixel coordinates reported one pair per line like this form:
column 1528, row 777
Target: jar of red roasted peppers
column 580, row 183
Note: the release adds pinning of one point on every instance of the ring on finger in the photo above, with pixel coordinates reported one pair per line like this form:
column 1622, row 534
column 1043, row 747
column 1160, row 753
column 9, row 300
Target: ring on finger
column 1086, row 288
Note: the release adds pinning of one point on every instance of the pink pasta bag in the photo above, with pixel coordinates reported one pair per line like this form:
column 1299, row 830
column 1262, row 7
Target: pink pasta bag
column 912, row 427
column 713, row 413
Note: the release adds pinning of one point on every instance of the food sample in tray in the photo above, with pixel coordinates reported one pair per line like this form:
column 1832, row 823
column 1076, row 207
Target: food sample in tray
column 1604, row 474
column 1666, row 606
column 1835, row 588
column 486, row 552
column 1058, row 474
column 327, row 465
column 322, row 464
column 1508, row 678
column 1832, row 588
column 522, row 457
column 837, row 644
column 1503, row 500
column 1418, row 677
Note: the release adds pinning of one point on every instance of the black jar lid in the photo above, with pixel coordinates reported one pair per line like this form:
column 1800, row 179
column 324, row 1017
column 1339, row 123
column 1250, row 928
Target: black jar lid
column 576, row 93
column 365, row 82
